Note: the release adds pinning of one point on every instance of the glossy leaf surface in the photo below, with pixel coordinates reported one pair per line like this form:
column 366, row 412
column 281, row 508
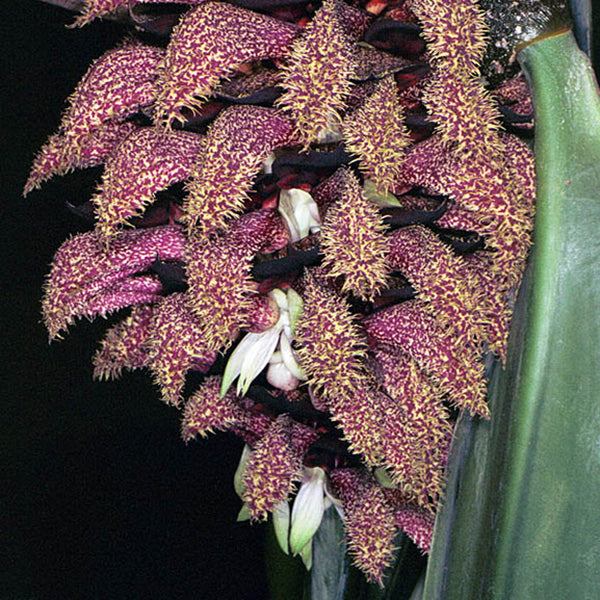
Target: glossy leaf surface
column 521, row 517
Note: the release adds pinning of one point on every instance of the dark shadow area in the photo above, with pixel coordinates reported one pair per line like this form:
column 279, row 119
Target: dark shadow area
column 101, row 499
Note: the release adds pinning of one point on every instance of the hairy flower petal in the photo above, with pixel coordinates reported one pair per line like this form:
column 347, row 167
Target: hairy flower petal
column 129, row 291
column 376, row 133
column 417, row 524
column 218, row 273
column 440, row 279
column 498, row 192
column 275, row 465
column 455, row 98
column 207, row 410
column 83, row 269
column 124, row 345
column 177, row 343
column 56, row 158
column 93, row 9
column 453, row 367
column 209, row 41
column 417, row 446
column 331, row 345
column 237, row 144
column 368, row 519
column 117, row 85
column 317, row 75
column 353, row 241
column 143, row 164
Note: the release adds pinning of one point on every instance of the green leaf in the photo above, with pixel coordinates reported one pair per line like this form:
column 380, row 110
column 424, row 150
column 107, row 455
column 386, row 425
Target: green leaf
column 330, row 561
column 286, row 576
column 521, row 515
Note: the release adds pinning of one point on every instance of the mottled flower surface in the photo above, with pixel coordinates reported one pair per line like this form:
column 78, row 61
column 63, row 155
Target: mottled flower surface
column 336, row 215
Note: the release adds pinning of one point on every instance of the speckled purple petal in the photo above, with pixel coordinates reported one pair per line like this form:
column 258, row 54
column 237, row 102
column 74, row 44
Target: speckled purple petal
column 218, row 272
column 317, row 75
column 210, row 40
column 124, row 345
column 353, row 241
column 376, row 133
column 275, row 465
column 451, row 365
column 369, row 521
column 237, row 144
column 144, row 163
column 177, row 343
column 83, row 268
column 57, row 158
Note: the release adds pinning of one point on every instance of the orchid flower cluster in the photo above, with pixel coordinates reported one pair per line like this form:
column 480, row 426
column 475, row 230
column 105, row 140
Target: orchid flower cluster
column 323, row 201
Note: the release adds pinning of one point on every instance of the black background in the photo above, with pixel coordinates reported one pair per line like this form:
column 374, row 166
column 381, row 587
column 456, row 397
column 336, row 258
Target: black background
column 101, row 497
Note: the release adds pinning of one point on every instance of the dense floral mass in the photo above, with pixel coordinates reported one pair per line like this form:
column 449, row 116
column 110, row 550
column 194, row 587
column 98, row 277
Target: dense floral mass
column 334, row 216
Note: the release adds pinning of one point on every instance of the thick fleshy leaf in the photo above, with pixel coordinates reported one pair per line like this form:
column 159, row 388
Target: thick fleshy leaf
column 330, row 564
column 521, row 511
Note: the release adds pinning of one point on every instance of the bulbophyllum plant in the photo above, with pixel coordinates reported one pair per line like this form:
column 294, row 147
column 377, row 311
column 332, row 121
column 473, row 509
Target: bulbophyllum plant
column 313, row 221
